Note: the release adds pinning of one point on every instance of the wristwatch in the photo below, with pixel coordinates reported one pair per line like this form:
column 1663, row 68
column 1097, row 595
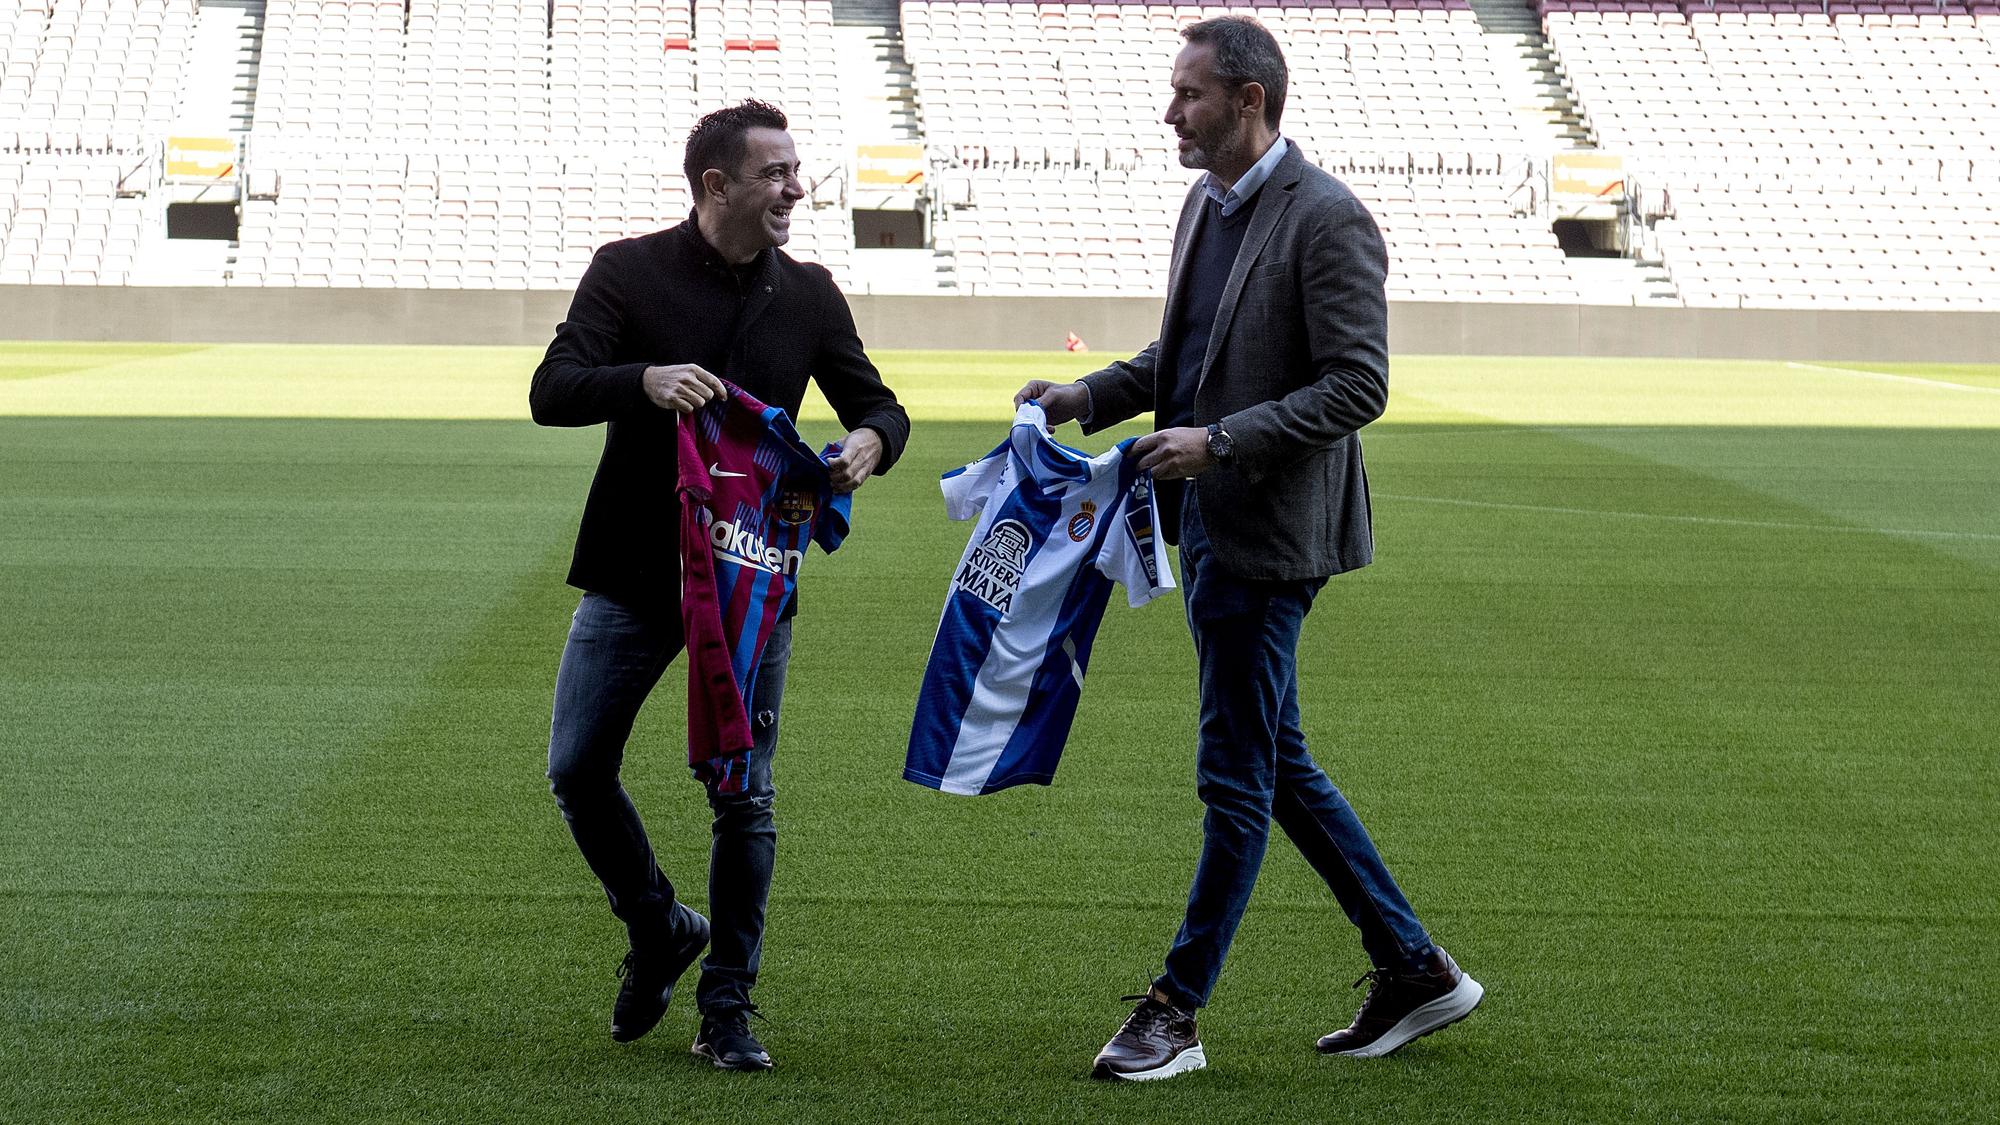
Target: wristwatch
column 1221, row 446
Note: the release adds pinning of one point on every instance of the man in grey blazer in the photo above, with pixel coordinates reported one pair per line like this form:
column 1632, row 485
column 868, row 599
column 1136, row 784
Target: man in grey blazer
column 1272, row 353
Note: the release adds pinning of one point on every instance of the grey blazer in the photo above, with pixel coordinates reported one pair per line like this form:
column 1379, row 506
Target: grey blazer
column 1297, row 362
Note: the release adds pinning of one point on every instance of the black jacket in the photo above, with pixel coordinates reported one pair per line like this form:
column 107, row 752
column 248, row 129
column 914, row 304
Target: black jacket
column 669, row 298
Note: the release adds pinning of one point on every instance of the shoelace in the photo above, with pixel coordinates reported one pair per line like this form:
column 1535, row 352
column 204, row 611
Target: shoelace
column 736, row 1019
column 1381, row 977
column 625, row 966
column 1149, row 1015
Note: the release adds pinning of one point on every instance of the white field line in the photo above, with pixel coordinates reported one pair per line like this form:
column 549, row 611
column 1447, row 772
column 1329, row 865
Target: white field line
column 1717, row 520
column 1888, row 378
column 1508, row 429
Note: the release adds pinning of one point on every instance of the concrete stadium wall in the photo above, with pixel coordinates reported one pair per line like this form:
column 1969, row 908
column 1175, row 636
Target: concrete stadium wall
column 1110, row 325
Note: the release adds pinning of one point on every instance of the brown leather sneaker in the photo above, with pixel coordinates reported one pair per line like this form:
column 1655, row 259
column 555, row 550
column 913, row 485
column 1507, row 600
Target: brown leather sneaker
column 1405, row 1006
column 1157, row 1041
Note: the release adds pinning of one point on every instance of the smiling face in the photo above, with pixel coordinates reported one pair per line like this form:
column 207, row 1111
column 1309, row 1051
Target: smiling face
column 1208, row 115
column 753, row 205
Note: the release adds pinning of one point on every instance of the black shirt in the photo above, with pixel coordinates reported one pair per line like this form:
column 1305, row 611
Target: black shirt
column 668, row 298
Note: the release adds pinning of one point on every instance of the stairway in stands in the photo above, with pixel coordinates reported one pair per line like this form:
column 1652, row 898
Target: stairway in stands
column 1623, row 281
column 1538, row 91
column 867, row 13
column 879, row 105
column 218, row 90
column 878, row 92
column 1546, row 106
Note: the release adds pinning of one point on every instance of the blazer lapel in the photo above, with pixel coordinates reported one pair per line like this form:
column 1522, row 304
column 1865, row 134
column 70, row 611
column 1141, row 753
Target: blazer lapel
column 1177, row 269
column 1272, row 201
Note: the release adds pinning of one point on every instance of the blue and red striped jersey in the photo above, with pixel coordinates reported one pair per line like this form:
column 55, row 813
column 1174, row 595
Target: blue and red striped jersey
column 752, row 496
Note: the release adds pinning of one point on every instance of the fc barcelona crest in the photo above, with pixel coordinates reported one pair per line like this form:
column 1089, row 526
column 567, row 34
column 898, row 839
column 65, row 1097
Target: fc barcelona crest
column 797, row 505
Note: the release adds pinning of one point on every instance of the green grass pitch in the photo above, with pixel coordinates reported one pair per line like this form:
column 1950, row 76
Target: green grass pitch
column 1671, row 698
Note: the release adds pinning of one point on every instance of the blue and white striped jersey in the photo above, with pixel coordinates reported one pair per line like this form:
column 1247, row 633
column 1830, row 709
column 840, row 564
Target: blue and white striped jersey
column 1056, row 528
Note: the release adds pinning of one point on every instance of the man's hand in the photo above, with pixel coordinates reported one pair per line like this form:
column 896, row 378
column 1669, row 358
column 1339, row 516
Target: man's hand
column 683, row 388
column 1175, row 454
column 1062, row 402
column 860, row 452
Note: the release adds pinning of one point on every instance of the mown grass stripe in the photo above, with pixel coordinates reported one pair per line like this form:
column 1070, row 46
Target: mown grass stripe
column 1675, row 518
column 1687, row 803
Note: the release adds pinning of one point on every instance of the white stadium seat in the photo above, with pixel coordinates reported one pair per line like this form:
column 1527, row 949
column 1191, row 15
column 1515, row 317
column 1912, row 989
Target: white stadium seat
column 1813, row 158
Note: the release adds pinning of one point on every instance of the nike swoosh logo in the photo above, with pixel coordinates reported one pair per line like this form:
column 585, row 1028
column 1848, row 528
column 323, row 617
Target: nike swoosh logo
column 715, row 470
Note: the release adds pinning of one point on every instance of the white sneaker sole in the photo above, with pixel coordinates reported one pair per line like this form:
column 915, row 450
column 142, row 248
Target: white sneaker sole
column 1191, row 1059
column 1441, row 1012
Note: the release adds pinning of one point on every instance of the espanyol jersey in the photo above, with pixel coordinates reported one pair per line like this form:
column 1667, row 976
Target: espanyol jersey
column 752, row 496
column 1056, row 528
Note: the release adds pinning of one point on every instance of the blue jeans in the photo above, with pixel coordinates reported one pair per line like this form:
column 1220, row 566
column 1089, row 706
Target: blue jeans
column 1253, row 765
column 610, row 664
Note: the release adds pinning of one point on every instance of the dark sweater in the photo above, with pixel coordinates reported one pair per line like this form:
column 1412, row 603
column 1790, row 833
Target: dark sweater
column 1214, row 255
column 669, row 298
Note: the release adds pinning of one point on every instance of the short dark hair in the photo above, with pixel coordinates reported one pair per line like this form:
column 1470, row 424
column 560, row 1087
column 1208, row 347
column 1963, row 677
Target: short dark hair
column 717, row 140
column 1245, row 52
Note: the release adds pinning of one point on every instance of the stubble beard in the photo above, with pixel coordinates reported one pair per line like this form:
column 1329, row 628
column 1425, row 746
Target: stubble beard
column 1206, row 156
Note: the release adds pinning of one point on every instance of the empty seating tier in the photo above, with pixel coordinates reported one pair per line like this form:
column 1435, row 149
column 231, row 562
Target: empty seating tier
column 1802, row 154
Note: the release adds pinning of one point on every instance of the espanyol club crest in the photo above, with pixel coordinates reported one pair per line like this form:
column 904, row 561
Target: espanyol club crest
column 1081, row 523
column 796, row 506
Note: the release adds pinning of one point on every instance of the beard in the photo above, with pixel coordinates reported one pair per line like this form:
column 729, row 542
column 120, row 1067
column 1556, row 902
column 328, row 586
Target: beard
column 1206, row 152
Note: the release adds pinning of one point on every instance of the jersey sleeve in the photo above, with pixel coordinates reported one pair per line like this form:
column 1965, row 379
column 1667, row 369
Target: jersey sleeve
column 1134, row 554
column 835, row 518
column 836, row 509
column 967, row 487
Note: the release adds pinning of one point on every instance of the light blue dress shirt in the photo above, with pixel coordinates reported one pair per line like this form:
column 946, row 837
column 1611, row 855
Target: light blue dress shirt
column 1243, row 189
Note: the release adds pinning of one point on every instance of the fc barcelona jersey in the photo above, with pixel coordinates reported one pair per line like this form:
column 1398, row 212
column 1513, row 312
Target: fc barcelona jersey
column 752, row 496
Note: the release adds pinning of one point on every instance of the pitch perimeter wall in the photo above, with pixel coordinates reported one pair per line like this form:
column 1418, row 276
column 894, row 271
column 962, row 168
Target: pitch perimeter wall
column 1112, row 325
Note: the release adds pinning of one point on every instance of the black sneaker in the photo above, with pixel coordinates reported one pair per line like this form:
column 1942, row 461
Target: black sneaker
column 1157, row 1041
column 1405, row 1006
column 649, row 974
column 725, row 1040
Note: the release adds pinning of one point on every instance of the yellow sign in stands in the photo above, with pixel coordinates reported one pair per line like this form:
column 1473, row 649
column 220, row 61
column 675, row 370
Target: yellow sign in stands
column 1594, row 176
column 888, row 165
column 201, row 159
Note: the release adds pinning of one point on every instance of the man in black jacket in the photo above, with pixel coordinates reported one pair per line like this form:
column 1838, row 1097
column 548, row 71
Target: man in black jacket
column 1273, row 353
column 655, row 324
